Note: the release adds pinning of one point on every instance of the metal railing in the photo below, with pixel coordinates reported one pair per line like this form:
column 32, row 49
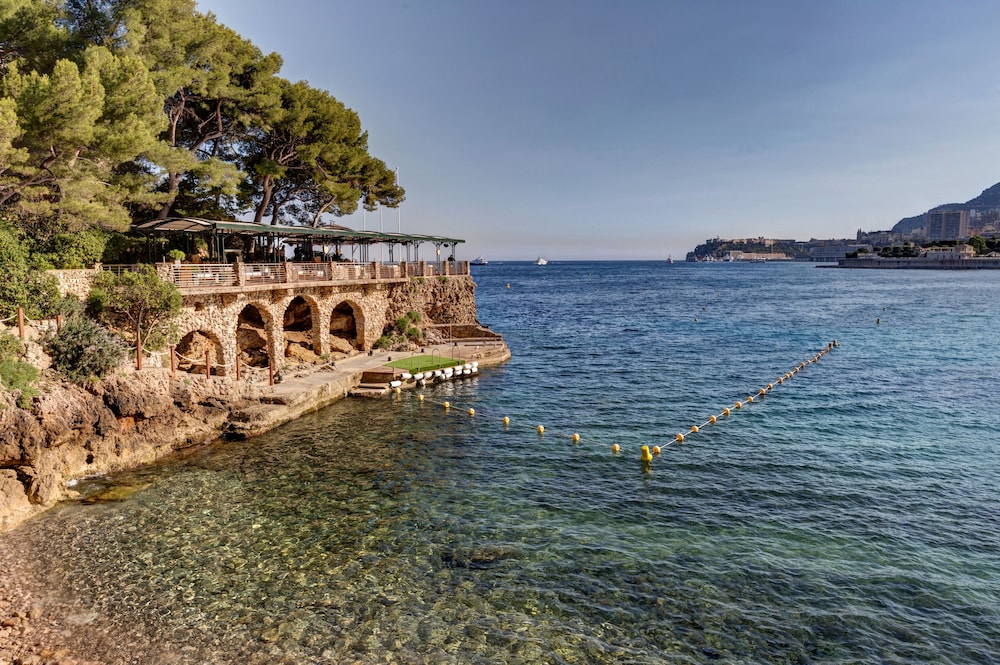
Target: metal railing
column 191, row 276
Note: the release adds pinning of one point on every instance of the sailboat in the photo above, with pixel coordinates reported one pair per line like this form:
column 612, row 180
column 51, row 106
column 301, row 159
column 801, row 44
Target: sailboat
column 540, row 261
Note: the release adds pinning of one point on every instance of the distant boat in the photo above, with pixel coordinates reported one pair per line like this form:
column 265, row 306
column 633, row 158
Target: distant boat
column 670, row 259
column 480, row 261
column 540, row 261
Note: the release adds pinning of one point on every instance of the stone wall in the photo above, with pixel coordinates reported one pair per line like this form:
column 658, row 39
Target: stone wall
column 74, row 282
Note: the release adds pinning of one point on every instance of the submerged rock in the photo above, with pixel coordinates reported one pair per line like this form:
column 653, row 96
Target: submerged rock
column 479, row 557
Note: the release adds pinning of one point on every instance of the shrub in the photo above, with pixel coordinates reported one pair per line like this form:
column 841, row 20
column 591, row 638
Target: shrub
column 73, row 250
column 10, row 346
column 17, row 376
column 176, row 255
column 384, row 342
column 83, row 350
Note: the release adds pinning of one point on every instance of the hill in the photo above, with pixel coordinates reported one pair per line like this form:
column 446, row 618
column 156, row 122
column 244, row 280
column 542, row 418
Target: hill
column 990, row 198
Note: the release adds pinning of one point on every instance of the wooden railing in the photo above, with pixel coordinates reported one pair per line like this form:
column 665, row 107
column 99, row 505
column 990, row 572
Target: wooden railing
column 191, row 276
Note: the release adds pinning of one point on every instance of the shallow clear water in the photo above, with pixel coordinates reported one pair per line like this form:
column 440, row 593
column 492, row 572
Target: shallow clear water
column 850, row 516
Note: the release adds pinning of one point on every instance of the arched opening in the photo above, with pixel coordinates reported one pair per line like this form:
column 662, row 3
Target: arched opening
column 192, row 350
column 344, row 338
column 297, row 325
column 251, row 337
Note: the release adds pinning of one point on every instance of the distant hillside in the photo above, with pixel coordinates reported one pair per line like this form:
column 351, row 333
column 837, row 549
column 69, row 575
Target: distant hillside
column 990, row 198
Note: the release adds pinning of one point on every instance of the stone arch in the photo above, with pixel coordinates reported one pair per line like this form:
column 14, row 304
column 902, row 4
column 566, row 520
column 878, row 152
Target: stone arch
column 347, row 323
column 253, row 335
column 191, row 350
column 301, row 330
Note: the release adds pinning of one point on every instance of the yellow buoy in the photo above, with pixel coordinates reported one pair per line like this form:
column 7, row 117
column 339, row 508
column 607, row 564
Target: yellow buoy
column 725, row 411
column 615, row 448
column 447, row 405
column 472, row 412
column 541, row 429
column 656, row 450
column 679, row 438
column 739, row 405
column 770, row 386
column 694, row 428
column 420, row 398
column 508, row 286
column 712, row 419
column 646, row 456
column 576, row 437
column 506, row 421
column 750, row 398
column 396, row 390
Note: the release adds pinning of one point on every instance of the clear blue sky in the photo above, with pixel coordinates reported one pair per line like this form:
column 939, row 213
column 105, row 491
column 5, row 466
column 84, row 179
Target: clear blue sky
column 581, row 129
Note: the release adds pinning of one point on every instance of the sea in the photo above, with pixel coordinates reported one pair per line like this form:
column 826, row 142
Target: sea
column 850, row 514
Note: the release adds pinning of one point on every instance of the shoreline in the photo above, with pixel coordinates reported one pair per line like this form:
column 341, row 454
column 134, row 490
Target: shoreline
column 36, row 631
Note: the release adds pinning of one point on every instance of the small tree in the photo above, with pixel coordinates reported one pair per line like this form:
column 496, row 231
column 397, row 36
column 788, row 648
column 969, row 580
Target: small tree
column 136, row 303
column 979, row 244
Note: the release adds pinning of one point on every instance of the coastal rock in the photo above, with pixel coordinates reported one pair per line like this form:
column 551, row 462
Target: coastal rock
column 14, row 504
column 479, row 557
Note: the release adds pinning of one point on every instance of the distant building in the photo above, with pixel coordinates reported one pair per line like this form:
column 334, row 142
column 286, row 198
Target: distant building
column 947, row 224
column 946, row 253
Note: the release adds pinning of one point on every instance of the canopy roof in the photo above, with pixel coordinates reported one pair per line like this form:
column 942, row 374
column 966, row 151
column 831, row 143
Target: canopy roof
column 319, row 234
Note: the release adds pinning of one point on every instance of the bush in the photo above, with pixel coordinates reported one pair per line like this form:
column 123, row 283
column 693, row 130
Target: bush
column 83, row 350
column 10, row 346
column 176, row 255
column 73, row 250
column 21, row 286
column 384, row 342
column 17, row 376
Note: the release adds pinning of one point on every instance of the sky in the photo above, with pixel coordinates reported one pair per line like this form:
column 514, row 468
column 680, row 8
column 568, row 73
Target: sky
column 637, row 129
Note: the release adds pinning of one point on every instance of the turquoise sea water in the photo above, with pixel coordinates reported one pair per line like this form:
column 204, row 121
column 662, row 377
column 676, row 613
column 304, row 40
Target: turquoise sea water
column 850, row 516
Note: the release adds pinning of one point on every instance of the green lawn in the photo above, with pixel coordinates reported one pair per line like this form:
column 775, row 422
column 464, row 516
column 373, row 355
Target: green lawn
column 424, row 363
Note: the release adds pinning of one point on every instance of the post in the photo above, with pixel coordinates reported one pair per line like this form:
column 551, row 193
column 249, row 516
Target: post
column 20, row 322
column 208, row 364
column 270, row 373
column 173, row 361
column 237, row 364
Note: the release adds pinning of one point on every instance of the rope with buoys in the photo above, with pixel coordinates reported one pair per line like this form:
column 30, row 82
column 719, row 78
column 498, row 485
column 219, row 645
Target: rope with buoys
column 647, row 452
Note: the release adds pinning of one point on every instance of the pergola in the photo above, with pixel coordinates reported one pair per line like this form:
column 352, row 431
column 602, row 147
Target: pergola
column 271, row 237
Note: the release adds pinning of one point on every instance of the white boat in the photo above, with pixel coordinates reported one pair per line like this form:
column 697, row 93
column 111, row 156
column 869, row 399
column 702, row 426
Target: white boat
column 480, row 261
column 540, row 261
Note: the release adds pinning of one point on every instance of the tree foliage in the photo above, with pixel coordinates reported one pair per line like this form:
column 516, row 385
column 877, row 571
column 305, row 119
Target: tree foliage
column 34, row 291
column 118, row 110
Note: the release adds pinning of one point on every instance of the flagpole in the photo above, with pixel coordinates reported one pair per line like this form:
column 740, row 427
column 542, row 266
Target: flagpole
column 381, row 245
column 399, row 209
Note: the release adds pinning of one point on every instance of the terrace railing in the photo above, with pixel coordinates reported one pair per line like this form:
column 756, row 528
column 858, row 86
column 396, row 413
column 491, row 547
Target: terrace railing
column 195, row 276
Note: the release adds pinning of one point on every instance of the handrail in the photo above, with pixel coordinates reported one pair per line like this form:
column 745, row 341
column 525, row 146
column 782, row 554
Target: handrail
column 187, row 276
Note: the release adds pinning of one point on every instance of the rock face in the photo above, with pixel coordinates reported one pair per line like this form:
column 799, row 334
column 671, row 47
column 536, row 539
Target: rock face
column 451, row 300
column 123, row 421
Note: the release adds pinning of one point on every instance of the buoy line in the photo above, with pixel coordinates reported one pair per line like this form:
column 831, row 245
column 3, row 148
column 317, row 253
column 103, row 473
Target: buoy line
column 647, row 452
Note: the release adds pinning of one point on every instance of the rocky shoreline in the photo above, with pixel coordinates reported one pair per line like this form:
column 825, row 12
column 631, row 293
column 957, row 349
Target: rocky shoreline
column 128, row 420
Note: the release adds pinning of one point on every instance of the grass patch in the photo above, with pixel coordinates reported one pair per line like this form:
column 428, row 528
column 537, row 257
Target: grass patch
column 416, row 364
